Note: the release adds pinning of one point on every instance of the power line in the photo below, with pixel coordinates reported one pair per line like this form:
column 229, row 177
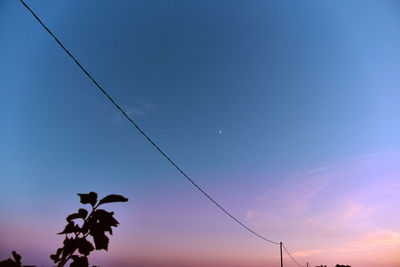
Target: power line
column 291, row 256
column 151, row 141
column 145, row 135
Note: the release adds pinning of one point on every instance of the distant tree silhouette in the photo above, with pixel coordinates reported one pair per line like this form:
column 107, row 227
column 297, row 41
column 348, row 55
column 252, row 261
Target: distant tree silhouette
column 339, row 265
column 76, row 246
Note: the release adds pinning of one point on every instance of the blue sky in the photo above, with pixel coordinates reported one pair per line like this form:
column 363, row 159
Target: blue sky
column 292, row 86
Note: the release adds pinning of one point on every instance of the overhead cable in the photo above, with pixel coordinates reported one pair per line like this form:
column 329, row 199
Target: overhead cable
column 145, row 135
column 291, row 256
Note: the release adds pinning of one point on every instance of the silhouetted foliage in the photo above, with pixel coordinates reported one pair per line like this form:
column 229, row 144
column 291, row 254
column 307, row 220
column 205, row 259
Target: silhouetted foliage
column 339, row 265
column 13, row 263
column 95, row 225
column 76, row 246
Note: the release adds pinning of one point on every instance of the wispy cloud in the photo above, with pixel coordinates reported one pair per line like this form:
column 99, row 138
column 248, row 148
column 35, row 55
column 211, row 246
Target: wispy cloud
column 307, row 253
column 140, row 108
column 380, row 239
column 343, row 203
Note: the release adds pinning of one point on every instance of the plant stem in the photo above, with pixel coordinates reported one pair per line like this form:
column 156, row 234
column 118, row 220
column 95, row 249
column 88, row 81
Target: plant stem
column 62, row 263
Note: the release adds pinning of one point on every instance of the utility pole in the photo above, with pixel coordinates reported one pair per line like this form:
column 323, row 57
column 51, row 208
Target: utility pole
column 281, row 254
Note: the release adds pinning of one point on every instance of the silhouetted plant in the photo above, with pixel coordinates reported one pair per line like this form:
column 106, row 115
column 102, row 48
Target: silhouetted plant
column 95, row 225
column 13, row 263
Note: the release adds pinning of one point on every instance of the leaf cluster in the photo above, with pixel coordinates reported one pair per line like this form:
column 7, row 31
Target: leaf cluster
column 15, row 262
column 76, row 245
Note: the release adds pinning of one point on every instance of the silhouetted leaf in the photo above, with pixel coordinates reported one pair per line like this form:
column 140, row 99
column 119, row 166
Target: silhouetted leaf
column 90, row 198
column 84, row 246
column 79, row 261
column 87, row 225
column 100, row 239
column 100, row 222
column 56, row 257
column 58, row 253
column 82, row 213
column 113, row 198
column 69, row 247
column 104, row 220
column 106, row 217
column 17, row 257
column 71, row 227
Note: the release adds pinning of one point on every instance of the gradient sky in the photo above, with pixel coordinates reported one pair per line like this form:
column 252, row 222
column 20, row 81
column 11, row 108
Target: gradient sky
column 286, row 112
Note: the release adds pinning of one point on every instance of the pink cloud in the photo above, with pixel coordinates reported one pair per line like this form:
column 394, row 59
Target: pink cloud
column 381, row 238
column 337, row 207
column 307, row 253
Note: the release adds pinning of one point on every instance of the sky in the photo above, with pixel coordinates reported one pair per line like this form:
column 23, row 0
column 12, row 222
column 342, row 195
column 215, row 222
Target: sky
column 286, row 112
